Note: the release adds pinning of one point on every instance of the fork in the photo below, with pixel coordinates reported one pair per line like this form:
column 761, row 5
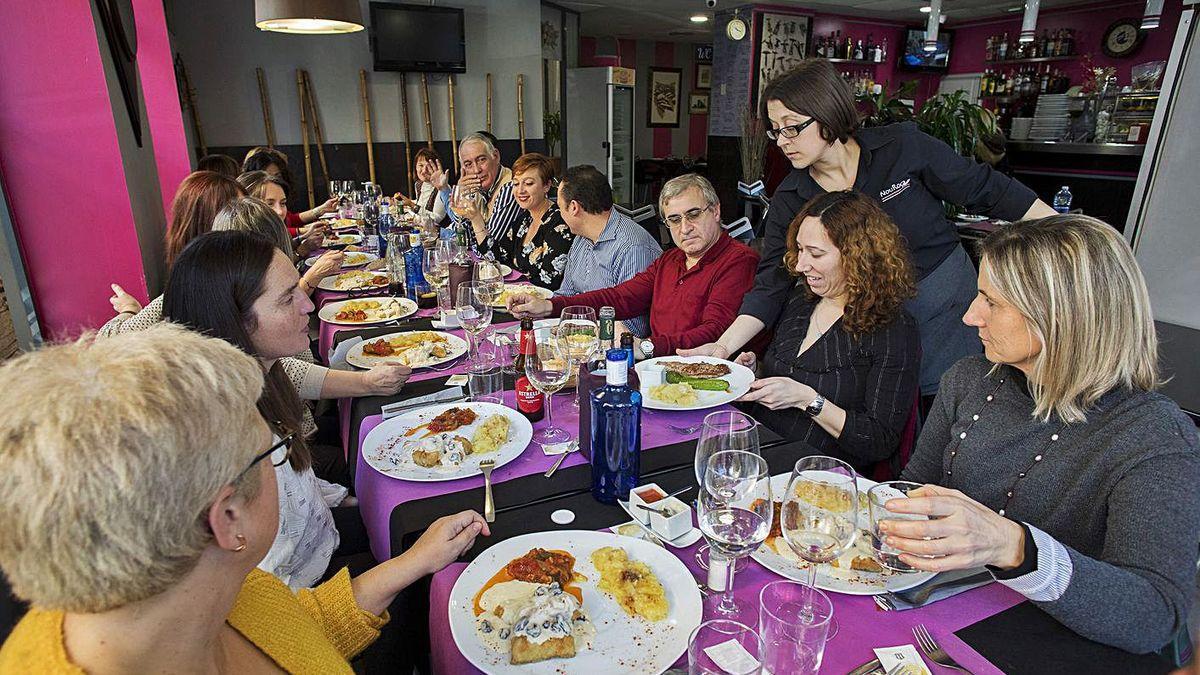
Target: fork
column 489, row 507
column 884, row 603
column 933, row 651
column 684, row 430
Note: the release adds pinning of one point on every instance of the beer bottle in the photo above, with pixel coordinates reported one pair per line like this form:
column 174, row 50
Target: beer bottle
column 530, row 401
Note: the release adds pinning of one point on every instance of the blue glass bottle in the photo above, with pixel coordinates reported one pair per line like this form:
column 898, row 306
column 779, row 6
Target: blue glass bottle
column 616, row 434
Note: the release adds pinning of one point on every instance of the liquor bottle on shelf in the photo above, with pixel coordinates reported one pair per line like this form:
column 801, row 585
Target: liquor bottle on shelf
column 848, row 51
column 819, row 48
column 859, row 54
column 616, row 433
column 869, row 47
column 1002, row 49
column 883, row 51
column 530, row 402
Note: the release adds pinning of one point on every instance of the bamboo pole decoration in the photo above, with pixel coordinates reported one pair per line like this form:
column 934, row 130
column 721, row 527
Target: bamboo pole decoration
column 489, row 103
column 453, row 129
column 521, row 110
column 366, row 104
column 407, row 133
column 316, row 125
column 265, row 99
column 425, row 104
column 304, row 134
column 189, row 101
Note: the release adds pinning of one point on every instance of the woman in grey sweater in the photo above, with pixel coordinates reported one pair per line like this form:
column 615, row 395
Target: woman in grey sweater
column 1051, row 459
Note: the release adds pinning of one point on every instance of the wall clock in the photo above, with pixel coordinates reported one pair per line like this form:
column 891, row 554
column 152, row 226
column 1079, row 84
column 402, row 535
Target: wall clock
column 735, row 29
column 1122, row 38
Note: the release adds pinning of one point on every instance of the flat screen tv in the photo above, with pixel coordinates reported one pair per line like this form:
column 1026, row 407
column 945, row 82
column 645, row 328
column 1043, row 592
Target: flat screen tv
column 914, row 56
column 419, row 38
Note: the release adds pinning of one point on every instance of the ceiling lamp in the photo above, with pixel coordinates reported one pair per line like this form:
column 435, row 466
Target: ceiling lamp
column 931, row 30
column 308, row 17
column 699, row 18
column 1152, row 15
column 1029, row 24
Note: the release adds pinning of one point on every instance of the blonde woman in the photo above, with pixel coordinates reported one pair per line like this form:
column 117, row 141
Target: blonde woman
column 148, row 565
column 1051, row 459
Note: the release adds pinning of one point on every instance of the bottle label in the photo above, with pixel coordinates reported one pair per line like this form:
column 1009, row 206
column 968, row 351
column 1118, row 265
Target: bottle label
column 527, row 345
column 618, row 373
column 529, row 399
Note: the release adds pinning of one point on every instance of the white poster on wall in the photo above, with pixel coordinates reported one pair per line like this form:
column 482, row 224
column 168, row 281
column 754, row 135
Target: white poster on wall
column 782, row 45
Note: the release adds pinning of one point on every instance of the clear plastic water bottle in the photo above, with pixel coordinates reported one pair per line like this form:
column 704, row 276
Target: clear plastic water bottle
column 616, row 433
column 1062, row 200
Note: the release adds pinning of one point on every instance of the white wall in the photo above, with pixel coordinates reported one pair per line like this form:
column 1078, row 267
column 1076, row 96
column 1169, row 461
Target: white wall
column 221, row 48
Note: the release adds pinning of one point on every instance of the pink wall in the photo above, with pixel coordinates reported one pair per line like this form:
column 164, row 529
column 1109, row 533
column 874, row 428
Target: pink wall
column 61, row 165
column 967, row 54
column 165, row 119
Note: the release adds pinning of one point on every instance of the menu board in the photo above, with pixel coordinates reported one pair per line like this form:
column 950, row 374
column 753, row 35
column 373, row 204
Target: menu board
column 782, row 45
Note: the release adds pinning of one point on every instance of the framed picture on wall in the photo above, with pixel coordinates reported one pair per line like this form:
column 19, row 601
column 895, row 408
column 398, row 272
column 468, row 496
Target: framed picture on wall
column 703, row 76
column 698, row 104
column 782, row 43
column 662, row 101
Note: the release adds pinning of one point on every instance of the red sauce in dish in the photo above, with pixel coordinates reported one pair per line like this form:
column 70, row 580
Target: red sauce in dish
column 650, row 495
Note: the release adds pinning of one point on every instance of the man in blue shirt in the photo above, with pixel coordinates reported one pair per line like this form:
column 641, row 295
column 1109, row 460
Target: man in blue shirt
column 609, row 247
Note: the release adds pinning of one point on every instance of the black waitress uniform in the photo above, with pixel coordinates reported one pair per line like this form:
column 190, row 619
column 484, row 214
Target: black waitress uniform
column 909, row 173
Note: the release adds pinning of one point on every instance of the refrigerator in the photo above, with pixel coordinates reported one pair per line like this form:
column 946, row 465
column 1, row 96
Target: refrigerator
column 599, row 125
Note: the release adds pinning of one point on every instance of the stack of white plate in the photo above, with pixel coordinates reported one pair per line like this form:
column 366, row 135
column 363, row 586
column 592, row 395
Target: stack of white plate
column 1050, row 118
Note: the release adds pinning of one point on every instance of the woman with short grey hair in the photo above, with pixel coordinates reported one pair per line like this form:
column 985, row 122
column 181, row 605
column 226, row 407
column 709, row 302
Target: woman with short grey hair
column 1050, row 458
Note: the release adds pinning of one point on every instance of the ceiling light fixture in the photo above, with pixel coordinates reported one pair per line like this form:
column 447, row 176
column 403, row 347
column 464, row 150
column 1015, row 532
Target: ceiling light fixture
column 699, row 18
column 925, row 9
column 308, row 17
column 1153, row 14
column 1029, row 23
column 931, row 29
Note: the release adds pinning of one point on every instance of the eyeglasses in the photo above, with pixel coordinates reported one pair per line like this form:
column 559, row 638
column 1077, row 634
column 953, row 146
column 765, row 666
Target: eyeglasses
column 285, row 441
column 692, row 216
column 790, row 131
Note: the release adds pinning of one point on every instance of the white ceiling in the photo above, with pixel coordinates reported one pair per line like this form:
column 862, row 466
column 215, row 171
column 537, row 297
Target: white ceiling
column 668, row 19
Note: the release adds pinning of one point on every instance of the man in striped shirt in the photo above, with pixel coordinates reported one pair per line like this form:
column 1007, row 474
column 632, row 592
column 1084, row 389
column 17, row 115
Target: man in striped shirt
column 609, row 247
column 492, row 210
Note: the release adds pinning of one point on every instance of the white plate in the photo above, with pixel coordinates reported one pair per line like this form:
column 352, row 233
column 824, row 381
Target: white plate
column 545, row 293
column 520, row 433
column 327, row 284
column 404, row 306
column 356, row 357
column 843, row 579
column 343, row 240
column 739, row 380
column 623, row 644
column 351, row 260
column 343, row 224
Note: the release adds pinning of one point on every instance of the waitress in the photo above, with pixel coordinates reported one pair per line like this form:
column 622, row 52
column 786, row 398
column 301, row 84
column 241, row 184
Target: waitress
column 811, row 115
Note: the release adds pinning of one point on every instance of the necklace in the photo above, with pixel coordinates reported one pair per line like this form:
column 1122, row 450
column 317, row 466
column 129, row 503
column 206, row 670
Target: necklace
column 1037, row 458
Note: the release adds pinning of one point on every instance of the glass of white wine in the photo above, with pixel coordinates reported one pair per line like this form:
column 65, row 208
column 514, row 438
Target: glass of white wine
column 579, row 333
column 548, row 369
column 819, row 516
column 488, row 273
column 435, row 264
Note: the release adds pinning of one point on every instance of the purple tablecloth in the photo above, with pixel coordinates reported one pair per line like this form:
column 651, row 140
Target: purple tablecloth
column 379, row 494
column 862, row 625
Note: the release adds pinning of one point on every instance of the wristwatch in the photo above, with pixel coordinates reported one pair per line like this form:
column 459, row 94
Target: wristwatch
column 647, row 348
column 813, row 409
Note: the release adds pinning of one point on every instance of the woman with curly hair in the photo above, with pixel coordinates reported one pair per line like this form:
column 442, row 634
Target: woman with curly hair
column 845, row 353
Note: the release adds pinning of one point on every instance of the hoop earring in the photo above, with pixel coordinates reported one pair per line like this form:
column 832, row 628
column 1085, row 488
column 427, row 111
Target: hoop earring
column 241, row 543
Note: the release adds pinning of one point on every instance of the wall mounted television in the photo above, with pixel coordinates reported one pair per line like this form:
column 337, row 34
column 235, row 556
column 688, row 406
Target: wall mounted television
column 418, row 38
column 914, row 56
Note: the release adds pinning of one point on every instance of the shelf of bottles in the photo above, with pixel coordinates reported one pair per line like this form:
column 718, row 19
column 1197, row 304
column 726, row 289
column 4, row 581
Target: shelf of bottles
column 859, row 51
column 1019, row 81
column 1058, row 45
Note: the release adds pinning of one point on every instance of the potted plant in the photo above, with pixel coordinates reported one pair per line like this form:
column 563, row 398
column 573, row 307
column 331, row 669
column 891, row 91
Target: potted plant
column 886, row 108
column 957, row 121
column 552, row 131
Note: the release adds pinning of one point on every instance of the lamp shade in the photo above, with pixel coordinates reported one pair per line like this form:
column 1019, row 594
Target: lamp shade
column 308, row 17
column 1029, row 24
column 931, row 29
column 1153, row 14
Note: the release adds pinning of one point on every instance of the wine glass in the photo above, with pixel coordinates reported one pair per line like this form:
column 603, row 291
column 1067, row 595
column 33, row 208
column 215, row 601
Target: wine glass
column 435, row 265
column 819, row 515
column 488, row 272
column 735, row 513
column 580, row 334
column 712, row 634
column 474, row 308
column 723, row 430
column 548, row 369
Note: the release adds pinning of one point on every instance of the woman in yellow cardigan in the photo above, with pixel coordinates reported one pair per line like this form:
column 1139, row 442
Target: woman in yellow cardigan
column 137, row 495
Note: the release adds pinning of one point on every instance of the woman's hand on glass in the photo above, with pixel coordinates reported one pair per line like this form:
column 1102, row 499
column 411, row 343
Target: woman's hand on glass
column 713, row 349
column 447, row 539
column 747, row 359
column 962, row 534
column 780, row 392
column 122, row 302
column 329, row 263
column 386, row 379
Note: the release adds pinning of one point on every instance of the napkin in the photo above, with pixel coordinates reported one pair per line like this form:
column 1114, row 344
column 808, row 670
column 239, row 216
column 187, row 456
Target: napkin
column 955, row 582
column 337, row 355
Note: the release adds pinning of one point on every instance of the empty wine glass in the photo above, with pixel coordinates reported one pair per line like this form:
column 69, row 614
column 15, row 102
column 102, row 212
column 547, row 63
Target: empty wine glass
column 735, row 513
column 819, row 515
column 473, row 305
column 548, row 369
column 488, row 272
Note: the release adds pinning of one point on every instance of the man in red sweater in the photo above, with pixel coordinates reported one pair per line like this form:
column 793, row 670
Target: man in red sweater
column 692, row 292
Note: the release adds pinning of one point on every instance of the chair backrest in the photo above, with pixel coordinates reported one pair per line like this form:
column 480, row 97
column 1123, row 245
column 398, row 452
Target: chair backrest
column 740, row 229
column 647, row 217
column 889, row 469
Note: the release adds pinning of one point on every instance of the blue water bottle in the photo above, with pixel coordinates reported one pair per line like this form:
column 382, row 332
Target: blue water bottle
column 1062, row 200
column 616, row 434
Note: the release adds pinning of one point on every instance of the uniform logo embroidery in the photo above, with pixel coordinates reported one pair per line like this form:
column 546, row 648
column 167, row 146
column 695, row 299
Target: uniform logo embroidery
column 895, row 190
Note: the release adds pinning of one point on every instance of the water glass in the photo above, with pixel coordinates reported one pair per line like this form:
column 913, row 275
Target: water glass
column 723, row 646
column 793, row 642
column 735, row 512
column 877, row 497
column 485, row 382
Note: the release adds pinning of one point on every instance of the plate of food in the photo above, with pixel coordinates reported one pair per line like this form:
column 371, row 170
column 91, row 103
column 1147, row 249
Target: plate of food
column 415, row 349
column 343, row 223
column 341, row 240
column 446, row 441
column 856, row 571
column 350, row 259
column 354, row 280
column 365, row 311
column 513, row 289
column 691, row 382
column 574, row 601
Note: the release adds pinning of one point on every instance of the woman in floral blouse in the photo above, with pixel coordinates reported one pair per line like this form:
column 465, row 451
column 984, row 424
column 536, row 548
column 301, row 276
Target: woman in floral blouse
column 537, row 245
